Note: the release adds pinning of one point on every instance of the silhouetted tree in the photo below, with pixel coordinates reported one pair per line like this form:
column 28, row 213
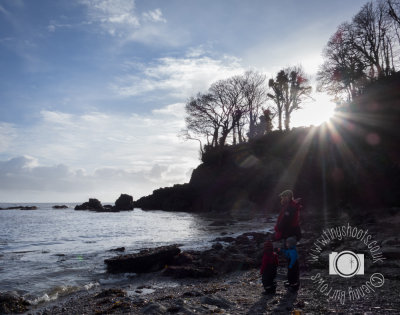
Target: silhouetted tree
column 228, row 99
column 372, row 36
column 204, row 118
column 290, row 89
column 254, row 96
column 394, row 16
column 342, row 72
column 361, row 51
column 264, row 125
column 394, row 10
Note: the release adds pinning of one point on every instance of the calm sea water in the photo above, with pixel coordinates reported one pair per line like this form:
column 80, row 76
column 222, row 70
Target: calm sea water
column 46, row 253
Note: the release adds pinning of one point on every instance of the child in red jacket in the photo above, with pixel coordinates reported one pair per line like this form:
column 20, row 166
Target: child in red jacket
column 268, row 268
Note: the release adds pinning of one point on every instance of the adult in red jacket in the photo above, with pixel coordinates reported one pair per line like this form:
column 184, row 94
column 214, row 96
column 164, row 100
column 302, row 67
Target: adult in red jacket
column 288, row 221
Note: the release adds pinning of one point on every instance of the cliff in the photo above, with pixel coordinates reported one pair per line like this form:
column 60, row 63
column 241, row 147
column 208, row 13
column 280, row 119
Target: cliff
column 352, row 161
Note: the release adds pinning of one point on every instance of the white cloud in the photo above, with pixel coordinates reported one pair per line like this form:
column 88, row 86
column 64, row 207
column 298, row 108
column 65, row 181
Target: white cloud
column 120, row 19
column 178, row 77
column 96, row 154
column 117, row 17
column 154, row 16
column 54, row 25
column 177, row 109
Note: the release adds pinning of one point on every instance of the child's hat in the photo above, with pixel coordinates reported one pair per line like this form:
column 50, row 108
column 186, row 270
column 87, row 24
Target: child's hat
column 268, row 245
column 291, row 241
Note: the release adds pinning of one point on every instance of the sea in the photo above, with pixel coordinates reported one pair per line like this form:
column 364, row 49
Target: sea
column 48, row 253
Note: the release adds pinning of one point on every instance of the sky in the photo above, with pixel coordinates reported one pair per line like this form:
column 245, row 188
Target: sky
column 92, row 92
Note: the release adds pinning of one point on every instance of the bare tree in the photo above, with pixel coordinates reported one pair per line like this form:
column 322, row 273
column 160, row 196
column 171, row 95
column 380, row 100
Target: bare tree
column 254, row 96
column 228, row 98
column 279, row 87
column 203, row 118
column 290, row 89
column 394, row 10
column 372, row 36
column 342, row 73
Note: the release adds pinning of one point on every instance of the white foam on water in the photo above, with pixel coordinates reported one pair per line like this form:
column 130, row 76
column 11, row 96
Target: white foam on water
column 60, row 291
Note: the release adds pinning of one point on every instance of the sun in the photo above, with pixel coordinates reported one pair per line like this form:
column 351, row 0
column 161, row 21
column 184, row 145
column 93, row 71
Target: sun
column 315, row 113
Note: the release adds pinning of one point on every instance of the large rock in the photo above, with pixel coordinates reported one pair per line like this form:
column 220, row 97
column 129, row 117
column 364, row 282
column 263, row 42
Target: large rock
column 147, row 260
column 124, row 202
column 12, row 303
column 189, row 272
column 92, row 205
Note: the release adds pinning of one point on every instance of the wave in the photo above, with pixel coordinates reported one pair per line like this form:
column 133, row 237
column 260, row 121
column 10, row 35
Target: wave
column 60, row 291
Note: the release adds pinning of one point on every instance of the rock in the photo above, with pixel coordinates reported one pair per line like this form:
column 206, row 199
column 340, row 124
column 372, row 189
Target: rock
column 92, row 205
column 11, row 303
column 111, row 293
column 192, row 293
column 20, row 208
column 217, row 301
column 180, row 272
column 217, row 246
column 29, row 208
column 226, row 239
column 145, row 261
column 391, row 252
column 118, row 249
column 60, row 207
column 392, row 241
column 174, row 309
column 124, row 202
column 109, row 208
column 154, row 308
column 183, row 258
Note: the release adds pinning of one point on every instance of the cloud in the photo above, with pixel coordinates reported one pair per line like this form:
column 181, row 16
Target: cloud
column 177, row 109
column 95, row 154
column 177, row 77
column 54, row 25
column 23, row 180
column 154, row 16
column 115, row 16
column 119, row 19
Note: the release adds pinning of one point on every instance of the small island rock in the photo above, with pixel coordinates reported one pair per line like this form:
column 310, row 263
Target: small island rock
column 92, row 204
column 60, row 207
column 124, row 202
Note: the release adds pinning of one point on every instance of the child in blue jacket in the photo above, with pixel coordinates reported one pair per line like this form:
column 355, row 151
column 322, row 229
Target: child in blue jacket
column 293, row 263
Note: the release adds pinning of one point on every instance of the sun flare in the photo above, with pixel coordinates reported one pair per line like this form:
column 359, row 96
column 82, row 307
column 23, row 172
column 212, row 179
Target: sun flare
column 316, row 113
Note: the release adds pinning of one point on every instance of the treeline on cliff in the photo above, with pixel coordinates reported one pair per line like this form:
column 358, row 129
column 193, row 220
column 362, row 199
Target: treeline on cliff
column 354, row 160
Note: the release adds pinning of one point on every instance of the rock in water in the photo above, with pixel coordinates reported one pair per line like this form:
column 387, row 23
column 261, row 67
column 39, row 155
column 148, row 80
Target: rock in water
column 147, row 260
column 92, row 204
column 124, row 202
column 60, row 207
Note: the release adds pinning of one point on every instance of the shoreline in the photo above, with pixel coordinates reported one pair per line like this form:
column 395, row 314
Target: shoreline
column 241, row 292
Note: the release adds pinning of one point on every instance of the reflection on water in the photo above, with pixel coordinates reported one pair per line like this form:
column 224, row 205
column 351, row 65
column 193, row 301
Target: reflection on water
column 45, row 250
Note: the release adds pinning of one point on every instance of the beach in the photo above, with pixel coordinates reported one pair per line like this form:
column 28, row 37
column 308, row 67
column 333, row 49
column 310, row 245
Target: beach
column 241, row 292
